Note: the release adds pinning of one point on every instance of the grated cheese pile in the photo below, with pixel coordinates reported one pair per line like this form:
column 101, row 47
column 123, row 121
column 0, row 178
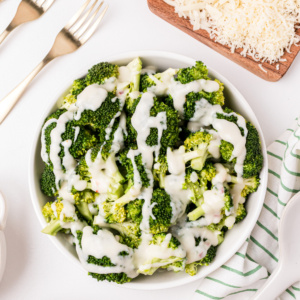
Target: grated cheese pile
column 264, row 29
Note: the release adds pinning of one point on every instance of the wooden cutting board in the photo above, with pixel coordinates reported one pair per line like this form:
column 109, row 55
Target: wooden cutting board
column 166, row 12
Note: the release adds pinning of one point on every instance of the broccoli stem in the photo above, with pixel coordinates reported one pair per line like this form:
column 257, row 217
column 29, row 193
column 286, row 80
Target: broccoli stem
column 84, row 210
column 196, row 213
column 53, row 227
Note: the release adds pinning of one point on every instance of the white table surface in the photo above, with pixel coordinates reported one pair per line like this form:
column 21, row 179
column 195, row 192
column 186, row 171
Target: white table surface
column 35, row 269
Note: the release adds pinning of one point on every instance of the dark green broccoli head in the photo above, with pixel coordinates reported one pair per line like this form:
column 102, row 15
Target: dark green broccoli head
column 253, row 162
column 119, row 278
column 47, row 182
column 146, row 82
column 134, row 211
column 226, row 149
column 162, row 211
column 228, row 201
column 186, row 75
column 99, row 119
column 214, row 98
column 82, row 141
column 170, row 135
column 101, row 72
column 128, row 169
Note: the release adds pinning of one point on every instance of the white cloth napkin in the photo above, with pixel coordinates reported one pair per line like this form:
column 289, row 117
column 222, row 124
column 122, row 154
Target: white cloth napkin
column 248, row 269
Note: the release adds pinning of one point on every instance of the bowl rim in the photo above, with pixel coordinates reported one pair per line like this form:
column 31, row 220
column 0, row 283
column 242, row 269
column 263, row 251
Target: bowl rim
column 152, row 55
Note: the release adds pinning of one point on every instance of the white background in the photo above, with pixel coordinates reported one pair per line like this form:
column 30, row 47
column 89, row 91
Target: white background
column 35, row 269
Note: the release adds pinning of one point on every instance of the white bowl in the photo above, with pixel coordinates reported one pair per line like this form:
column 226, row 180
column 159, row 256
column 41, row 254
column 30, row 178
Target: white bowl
column 233, row 239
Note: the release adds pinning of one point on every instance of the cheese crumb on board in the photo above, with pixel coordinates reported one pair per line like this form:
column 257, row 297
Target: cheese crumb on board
column 263, row 29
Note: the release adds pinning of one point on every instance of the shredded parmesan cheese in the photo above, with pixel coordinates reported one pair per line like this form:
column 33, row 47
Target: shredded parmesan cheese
column 260, row 65
column 263, row 29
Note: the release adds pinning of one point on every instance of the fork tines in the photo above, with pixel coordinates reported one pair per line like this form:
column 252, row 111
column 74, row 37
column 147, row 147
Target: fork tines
column 86, row 20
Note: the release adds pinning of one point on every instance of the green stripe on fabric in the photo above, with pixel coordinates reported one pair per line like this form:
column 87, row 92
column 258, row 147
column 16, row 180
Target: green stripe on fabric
column 274, row 194
column 274, row 155
column 291, row 130
column 295, row 288
column 208, row 296
column 271, row 211
column 291, row 172
column 280, row 142
column 240, row 254
column 288, row 189
column 223, row 283
column 250, row 258
column 288, row 291
column 239, row 272
column 267, row 230
column 263, row 248
column 271, row 192
column 274, row 173
column 248, row 290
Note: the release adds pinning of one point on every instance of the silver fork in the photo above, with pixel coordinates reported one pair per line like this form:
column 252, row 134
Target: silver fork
column 79, row 29
column 28, row 10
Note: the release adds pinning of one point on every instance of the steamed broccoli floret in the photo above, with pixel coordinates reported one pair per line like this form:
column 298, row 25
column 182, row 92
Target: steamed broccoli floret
column 160, row 170
column 99, row 119
column 226, row 149
column 54, row 217
column 104, row 262
column 161, row 211
column 77, row 87
column 47, row 182
column 251, row 185
column 130, row 233
column 186, row 75
column 127, row 165
column 196, row 146
column 214, row 98
column 158, row 79
column 241, row 213
column 82, row 199
column 254, row 159
column 101, row 72
column 49, row 128
column 170, row 135
column 174, row 262
column 134, row 211
column 192, row 268
column 82, row 140
column 199, row 211
column 119, row 278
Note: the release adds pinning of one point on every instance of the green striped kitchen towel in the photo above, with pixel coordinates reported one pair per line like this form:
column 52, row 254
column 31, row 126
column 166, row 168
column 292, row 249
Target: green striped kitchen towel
column 244, row 273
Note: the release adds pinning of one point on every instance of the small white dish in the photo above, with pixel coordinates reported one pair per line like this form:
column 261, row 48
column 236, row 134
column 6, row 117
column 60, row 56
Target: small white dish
column 3, row 217
column 233, row 239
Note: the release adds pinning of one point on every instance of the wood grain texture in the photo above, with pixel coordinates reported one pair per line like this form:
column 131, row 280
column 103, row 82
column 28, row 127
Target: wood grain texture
column 166, row 12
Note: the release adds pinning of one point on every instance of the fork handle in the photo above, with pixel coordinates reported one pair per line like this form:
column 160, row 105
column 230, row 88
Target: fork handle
column 6, row 32
column 9, row 101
